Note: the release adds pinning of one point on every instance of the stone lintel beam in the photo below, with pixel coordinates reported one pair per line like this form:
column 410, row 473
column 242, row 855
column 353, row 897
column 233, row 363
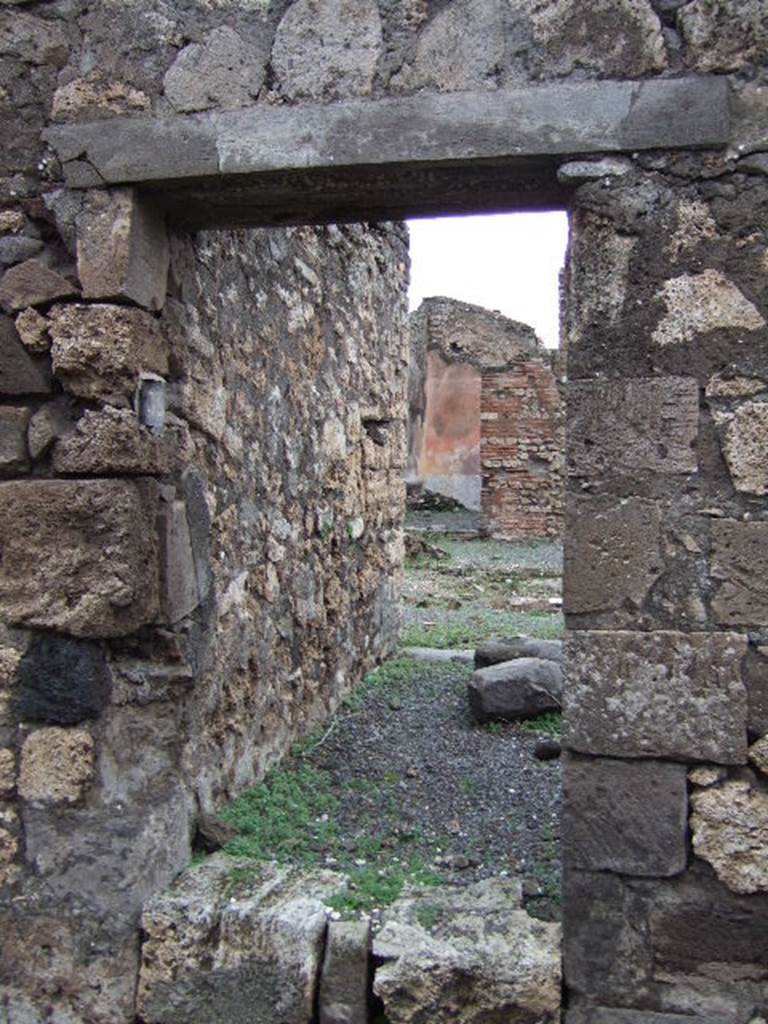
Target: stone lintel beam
column 231, row 149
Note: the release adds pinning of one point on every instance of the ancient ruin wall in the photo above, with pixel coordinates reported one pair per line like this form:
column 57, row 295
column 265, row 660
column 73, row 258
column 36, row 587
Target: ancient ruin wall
column 666, row 802
column 486, row 421
column 667, row 343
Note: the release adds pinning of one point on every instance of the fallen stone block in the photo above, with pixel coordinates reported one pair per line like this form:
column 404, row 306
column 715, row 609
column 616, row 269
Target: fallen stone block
column 234, row 941
column 514, row 690
column 469, row 955
column 493, row 652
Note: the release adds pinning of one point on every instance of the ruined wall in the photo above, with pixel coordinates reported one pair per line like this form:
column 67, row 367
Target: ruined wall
column 522, row 451
column 485, row 420
column 228, row 577
column 666, row 794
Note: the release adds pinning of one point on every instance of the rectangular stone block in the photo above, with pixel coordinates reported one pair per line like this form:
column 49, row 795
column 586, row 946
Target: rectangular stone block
column 627, row 817
column 662, row 694
column 740, row 567
column 20, row 374
column 122, row 248
column 345, row 982
column 14, row 457
column 179, row 579
column 621, row 427
column 101, row 350
column 79, row 556
column 614, row 1015
column 613, row 556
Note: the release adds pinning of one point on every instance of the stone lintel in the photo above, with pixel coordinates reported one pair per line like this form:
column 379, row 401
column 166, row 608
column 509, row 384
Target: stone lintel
column 425, row 131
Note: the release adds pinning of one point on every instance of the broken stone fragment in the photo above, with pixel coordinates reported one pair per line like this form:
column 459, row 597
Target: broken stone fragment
column 730, row 831
column 122, row 249
column 223, row 71
column 101, row 350
column 79, row 556
column 56, row 765
column 232, row 933
column 515, row 690
column 7, row 772
column 469, row 955
column 32, row 329
column 758, row 755
column 33, row 284
column 588, row 170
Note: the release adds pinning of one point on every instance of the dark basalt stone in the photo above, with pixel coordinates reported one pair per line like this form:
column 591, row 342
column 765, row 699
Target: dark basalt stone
column 62, row 681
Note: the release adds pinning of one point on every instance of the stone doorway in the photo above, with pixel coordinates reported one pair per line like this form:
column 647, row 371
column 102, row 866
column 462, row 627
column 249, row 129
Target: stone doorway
column 666, row 319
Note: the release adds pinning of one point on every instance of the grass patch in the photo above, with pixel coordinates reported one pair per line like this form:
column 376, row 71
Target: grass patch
column 549, row 723
column 486, row 624
column 375, row 886
column 288, row 817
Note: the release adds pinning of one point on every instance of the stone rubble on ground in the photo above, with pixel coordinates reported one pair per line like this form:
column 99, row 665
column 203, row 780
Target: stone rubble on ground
column 520, row 678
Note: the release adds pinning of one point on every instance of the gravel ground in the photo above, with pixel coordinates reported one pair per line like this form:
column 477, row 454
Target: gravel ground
column 411, row 770
column 402, row 785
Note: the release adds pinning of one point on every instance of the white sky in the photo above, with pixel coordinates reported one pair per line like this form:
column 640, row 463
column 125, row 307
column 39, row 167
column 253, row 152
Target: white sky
column 508, row 262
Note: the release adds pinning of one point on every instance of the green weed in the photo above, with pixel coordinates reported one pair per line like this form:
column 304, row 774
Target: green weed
column 372, row 886
column 483, row 624
column 548, row 722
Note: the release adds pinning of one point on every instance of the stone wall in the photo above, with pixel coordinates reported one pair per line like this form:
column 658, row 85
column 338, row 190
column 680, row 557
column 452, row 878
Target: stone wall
column 666, row 793
column 485, row 423
column 183, row 601
column 108, row 685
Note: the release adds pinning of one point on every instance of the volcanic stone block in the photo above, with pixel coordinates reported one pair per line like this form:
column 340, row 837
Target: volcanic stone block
column 606, row 954
column 492, row 652
column 626, row 817
column 13, row 440
column 122, row 249
column 20, row 374
column 33, row 284
column 515, row 690
column 699, row 303
column 80, row 556
column 730, row 831
column 345, row 980
column 179, row 579
column 622, row 427
column 327, row 48
column 100, row 350
column 613, row 556
column 223, row 71
column 662, row 694
column 61, row 680
column 56, row 765
column 740, row 565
